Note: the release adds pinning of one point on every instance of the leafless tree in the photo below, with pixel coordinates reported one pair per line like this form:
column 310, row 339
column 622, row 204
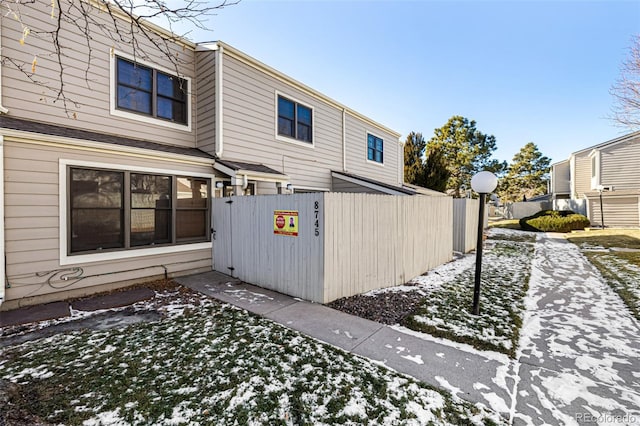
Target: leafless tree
column 626, row 90
column 128, row 22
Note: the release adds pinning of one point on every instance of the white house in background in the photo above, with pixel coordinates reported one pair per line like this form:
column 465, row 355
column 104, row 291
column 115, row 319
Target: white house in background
column 609, row 170
column 120, row 190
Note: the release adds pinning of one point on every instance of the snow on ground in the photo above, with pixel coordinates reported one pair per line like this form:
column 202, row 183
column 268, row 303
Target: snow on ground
column 215, row 365
column 448, row 294
column 579, row 342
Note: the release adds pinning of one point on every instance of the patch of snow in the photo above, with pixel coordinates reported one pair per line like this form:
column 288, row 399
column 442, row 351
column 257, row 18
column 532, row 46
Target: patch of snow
column 444, row 383
column 480, row 386
column 417, row 358
column 495, row 402
column 490, row 355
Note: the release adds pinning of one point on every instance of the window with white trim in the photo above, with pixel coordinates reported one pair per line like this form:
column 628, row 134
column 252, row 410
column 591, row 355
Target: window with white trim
column 147, row 91
column 110, row 210
column 294, row 120
column 375, row 148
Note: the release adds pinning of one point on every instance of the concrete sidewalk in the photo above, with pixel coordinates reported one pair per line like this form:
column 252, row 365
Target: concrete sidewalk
column 580, row 346
column 579, row 356
column 478, row 377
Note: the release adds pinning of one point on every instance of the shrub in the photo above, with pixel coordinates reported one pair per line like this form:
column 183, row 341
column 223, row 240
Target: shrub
column 554, row 221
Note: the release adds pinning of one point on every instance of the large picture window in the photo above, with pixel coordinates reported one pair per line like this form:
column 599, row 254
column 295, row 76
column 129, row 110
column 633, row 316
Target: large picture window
column 145, row 90
column 119, row 210
column 375, row 148
column 294, row 120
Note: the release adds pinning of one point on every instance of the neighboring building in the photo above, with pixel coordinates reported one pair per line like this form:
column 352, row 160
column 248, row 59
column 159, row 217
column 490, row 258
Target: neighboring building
column 120, row 189
column 608, row 170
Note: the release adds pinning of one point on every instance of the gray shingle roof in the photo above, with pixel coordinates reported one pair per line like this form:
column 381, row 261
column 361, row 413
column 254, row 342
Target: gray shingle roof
column 8, row 122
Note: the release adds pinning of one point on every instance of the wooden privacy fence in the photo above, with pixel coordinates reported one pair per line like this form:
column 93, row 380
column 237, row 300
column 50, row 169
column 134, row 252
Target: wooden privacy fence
column 465, row 224
column 324, row 246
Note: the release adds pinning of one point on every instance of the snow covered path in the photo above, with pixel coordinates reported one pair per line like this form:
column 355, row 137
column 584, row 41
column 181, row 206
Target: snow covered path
column 580, row 347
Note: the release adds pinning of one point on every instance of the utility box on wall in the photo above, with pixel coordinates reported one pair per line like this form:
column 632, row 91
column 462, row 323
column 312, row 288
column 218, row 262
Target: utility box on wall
column 325, row 246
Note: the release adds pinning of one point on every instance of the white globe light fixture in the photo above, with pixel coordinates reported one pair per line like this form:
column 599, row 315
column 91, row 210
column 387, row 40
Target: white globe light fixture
column 483, row 183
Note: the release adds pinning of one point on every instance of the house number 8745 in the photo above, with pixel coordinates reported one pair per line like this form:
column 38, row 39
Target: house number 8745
column 316, row 212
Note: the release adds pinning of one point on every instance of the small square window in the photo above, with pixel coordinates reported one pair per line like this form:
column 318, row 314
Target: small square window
column 295, row 120
column 375, row 148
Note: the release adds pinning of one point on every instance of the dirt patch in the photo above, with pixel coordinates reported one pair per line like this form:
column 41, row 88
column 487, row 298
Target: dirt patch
column 387, row 308
column 12, row 396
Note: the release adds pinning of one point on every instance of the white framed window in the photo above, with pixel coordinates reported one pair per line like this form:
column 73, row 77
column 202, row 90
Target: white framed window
column 143, row 92
column 294, row 120
column 111, row 212
column 375, row 148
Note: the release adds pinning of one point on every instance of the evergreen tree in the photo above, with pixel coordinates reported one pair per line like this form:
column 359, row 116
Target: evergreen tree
column 465, row 151
column 435, row 174
column 413, row 152
column 526, row 176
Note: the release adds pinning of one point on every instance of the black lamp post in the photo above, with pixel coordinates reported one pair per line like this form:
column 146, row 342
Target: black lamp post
column 483, row 183
column 600, row 189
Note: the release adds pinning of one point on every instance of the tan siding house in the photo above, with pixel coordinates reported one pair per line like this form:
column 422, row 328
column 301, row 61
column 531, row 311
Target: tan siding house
column 269, row 119
column 607, row 171
column 116, row 187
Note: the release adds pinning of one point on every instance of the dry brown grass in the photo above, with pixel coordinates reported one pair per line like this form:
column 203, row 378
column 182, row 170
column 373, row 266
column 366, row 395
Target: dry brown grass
column 607, row 238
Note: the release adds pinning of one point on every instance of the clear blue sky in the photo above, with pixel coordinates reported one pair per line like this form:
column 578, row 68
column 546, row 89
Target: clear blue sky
column 523, row 70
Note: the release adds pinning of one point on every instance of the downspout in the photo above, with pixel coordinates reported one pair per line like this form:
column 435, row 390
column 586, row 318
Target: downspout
column 2, row 248
column 219, row 53
column 344, row 140
column 3, row 110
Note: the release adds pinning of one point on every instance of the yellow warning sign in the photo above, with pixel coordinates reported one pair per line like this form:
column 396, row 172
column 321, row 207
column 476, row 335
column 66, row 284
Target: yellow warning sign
column 285, row 222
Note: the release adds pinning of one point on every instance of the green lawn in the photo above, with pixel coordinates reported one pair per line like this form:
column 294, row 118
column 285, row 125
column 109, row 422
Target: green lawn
column 607, row 238
column 212, row 364
column 620, row 268
column 505, row 223
column 445, row 310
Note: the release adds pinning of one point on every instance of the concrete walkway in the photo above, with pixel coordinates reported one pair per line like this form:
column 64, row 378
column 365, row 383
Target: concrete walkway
column 579, row 361
column 472, row 375
column 580, row 347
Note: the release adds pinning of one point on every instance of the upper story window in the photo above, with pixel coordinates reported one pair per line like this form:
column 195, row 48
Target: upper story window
column 294, row 120
column 375, row 148
column 145, row 90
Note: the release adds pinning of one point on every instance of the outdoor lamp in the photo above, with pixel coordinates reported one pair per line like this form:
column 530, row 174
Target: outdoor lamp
column 483, row 183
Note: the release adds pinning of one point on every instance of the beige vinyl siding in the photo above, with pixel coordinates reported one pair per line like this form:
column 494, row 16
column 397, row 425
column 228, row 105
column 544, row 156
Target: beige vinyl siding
column 618, row 211
column 250, row 127
column 250, row 115
column 32, row 222
column 27, row 100
column 357, row 162
column 205, row 101
column 561, row 178
column 619, row 165
column 582, row 178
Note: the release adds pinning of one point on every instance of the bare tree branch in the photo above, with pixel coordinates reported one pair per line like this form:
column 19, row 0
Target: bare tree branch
column 626, row 90
column 127, row 24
